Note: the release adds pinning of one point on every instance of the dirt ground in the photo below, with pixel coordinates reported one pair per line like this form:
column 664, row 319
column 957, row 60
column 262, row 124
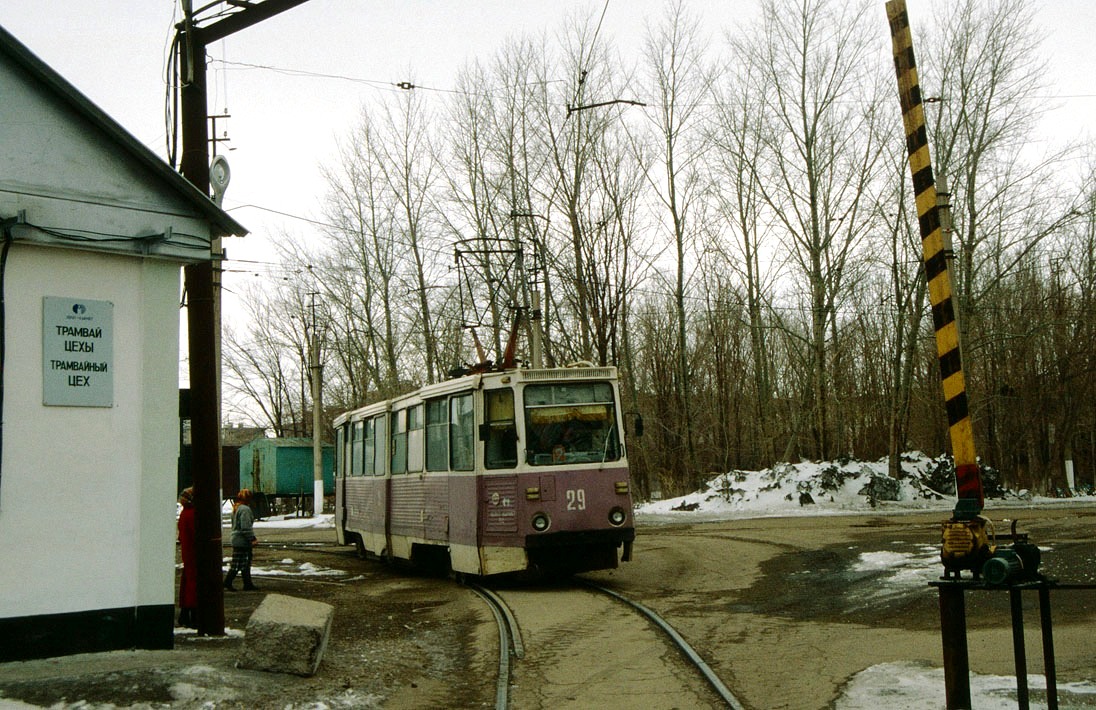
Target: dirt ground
column 775, row 606
column 781, row 612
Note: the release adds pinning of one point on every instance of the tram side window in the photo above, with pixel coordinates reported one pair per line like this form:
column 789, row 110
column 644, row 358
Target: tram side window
column 399, row 441
column 380, row 424
column 437, row 435
column 414, row 439
column 357, row 440
column 370, row 446
column 462, row 435
column 500, row 433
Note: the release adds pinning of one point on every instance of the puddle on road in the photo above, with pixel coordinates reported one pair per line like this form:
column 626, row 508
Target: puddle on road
column 849, row 583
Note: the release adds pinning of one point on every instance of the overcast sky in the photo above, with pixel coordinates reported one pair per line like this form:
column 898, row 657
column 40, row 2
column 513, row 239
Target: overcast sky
column 283, row 127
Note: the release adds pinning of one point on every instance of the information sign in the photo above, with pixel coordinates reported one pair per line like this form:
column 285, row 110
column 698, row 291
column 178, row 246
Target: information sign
column 77, row 352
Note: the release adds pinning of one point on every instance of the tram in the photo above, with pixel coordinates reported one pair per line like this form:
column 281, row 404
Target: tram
column 507, row 471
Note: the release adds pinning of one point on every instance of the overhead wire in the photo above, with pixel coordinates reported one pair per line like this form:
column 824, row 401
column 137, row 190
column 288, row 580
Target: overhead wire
column 327, row 225
column 386, row 84
column 402, row 85
column 171, row 96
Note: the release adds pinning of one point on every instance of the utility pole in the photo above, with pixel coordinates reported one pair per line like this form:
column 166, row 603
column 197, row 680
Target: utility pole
column 203, row 312
column 317, row 408
column 203, row 341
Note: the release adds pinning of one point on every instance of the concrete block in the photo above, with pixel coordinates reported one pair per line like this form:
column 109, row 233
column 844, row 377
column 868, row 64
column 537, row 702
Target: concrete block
column 286, row 635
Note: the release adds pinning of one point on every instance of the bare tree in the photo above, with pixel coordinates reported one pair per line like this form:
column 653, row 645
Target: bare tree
column 495, row 213
column 361, row 270
column 822, row 147
column 736, row 142
column 265, row 365
column 680, row 80
column 985, row 70
column 572, row 137
column 744, row 250
column 407, row 160
column 899, row 252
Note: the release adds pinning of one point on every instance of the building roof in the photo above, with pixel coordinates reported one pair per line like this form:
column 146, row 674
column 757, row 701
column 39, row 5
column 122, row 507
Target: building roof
column 222, row 224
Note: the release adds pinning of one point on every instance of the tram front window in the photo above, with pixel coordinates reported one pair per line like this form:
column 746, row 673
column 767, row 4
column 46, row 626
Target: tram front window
column 570, row 423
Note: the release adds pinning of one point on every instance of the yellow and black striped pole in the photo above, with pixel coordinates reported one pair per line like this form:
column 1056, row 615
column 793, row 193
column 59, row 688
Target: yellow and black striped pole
column 964, row 543
column 937, row 268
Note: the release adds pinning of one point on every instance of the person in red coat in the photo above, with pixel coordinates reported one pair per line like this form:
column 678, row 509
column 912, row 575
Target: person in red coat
column 188, row 582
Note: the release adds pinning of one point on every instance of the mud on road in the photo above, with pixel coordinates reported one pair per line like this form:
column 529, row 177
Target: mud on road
column 778, row 607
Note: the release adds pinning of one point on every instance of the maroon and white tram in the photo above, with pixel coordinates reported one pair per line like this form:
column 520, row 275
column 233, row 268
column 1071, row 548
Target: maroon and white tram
column 507, row 471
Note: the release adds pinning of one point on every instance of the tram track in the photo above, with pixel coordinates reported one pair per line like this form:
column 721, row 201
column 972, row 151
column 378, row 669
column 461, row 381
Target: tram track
column 678, row 640
column 511, row 647
column 548, row 650
column 510, row 643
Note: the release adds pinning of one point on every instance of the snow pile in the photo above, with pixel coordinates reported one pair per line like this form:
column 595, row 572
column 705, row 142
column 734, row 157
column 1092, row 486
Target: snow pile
column 827, row 487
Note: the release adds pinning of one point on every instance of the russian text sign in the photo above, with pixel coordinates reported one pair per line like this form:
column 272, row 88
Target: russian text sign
column 77, row 352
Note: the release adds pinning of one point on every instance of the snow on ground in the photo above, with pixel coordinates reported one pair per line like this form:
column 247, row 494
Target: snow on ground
column 911, row 686
column 289, row 568
column 323, row 521
column 842, row 488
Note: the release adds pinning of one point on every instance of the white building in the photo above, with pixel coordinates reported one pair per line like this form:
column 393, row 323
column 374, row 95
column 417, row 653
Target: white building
column 94, row 231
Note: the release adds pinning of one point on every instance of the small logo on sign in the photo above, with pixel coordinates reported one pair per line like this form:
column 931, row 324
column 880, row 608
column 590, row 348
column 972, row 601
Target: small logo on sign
column 79, row 309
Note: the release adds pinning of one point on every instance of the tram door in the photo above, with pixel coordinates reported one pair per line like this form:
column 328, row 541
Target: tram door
column 378, row 467
column 498, row 494
column 340, row 482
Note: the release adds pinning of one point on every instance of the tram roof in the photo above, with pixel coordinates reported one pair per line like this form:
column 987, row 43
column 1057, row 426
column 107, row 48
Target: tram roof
column 478, row 380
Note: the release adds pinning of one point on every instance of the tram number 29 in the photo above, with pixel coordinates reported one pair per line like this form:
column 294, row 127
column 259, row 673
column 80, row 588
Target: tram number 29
column 576, row 499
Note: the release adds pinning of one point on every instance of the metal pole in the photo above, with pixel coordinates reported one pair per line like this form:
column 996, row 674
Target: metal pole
column 317, row 443
column 1018, row 650
column 937, row 270
column 538, row 346
column 202, row 339
column 953, row 634
column 1049, row 667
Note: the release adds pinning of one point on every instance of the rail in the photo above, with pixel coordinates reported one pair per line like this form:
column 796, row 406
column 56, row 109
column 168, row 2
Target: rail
column 510, row 644
column 679, row 641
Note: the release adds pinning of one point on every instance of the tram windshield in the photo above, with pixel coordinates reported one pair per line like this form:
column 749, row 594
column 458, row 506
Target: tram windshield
column 573, row 422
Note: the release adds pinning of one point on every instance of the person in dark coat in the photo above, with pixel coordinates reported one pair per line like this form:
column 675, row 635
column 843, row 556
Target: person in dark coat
column 188, row 580
column 243, row 539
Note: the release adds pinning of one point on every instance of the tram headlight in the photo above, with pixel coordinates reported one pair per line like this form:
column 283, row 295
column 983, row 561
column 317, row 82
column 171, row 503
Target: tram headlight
column 617, row 516
column 541, row 522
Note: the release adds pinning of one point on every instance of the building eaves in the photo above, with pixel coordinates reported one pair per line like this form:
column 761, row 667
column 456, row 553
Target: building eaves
column 222, row 223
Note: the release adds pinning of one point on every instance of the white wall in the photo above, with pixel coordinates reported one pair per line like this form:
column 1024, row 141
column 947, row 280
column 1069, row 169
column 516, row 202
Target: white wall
column 87, row 495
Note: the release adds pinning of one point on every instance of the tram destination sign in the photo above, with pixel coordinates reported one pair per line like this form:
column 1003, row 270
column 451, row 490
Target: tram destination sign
column 77, row 352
